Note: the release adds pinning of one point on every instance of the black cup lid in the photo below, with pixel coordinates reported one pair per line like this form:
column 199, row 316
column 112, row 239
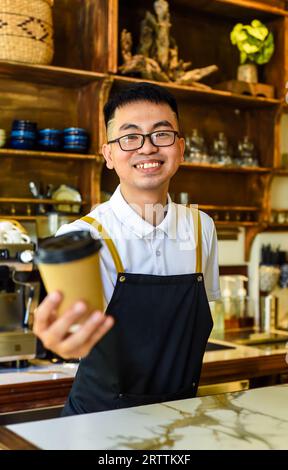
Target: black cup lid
column 68, row 247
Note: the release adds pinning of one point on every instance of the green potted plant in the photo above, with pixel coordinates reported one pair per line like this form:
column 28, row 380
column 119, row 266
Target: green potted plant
column 256, row 45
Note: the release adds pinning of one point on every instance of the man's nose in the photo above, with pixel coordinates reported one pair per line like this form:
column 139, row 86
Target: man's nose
column 148, row 147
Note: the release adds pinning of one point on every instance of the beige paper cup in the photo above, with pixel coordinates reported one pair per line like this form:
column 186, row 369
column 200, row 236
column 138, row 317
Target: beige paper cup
column 70, row 263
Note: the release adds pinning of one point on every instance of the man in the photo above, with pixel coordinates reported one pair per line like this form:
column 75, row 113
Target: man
column 156, row 296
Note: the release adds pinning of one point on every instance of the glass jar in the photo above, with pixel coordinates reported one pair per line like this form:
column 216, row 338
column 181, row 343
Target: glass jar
column 197, row 147
column 221, row 152
column 246, row 153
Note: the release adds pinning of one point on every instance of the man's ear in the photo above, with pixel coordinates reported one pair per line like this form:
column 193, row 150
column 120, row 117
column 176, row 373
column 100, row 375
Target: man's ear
column 182, row 148
column 106, row 150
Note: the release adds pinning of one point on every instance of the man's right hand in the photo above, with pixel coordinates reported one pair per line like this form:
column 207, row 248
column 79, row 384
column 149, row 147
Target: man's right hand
column 54, row 331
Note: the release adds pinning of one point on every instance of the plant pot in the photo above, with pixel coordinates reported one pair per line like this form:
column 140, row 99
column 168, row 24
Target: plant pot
column 247, row 73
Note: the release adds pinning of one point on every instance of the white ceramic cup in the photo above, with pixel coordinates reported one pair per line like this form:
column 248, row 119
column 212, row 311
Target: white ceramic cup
column 2, row 237
column 6, row 226
column 13, row 236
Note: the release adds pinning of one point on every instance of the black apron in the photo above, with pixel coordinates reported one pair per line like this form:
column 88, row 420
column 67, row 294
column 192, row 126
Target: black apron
column 155, row 350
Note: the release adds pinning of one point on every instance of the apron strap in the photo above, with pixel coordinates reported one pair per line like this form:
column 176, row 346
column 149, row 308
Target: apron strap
column 110, row 244
column 198, row 238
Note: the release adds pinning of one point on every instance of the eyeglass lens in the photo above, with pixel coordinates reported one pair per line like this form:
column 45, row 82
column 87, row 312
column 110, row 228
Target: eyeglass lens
column 136, row 141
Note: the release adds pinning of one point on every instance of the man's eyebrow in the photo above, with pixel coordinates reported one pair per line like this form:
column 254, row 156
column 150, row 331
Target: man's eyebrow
column 128, row 125
column 162, row 124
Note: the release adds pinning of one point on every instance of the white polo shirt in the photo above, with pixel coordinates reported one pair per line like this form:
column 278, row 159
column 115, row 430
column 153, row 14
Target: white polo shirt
column 166, row 249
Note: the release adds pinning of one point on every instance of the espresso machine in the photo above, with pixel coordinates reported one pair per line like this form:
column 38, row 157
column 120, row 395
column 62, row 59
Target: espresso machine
column 19, row 296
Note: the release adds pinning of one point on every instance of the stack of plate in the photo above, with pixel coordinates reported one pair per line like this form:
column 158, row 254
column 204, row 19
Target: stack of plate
column 50, row 139
column 23, row 135
column 75, row 140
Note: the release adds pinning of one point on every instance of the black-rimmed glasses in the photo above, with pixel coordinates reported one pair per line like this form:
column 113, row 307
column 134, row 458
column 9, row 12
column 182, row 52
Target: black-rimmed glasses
column 131, row 142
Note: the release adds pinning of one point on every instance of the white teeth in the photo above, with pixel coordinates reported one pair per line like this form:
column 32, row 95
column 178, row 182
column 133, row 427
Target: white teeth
column 148, row 165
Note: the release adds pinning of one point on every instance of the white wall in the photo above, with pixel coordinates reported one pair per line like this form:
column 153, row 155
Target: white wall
column 284, row 133
column 231, row 252
column 279, row 193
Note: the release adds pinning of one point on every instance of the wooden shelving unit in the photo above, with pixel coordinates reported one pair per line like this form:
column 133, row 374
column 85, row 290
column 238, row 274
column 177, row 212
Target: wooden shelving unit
column 213, row 111
column 73, row 90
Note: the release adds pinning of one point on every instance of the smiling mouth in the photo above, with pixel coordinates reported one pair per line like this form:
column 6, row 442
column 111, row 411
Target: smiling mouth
column 147, row 165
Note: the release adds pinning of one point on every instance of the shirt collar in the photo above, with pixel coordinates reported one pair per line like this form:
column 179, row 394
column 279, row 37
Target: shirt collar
column 131, row 219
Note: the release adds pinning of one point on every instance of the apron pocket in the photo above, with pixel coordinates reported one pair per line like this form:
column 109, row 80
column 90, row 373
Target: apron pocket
column 126, row 400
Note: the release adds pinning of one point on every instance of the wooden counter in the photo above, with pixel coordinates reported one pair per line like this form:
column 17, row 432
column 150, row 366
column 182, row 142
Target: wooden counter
column 46, row 385
column 244, row 368
column 40, row 385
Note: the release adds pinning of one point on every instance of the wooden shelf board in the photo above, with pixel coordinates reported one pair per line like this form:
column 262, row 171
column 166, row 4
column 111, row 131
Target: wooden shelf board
column 279, row 210
column 73, row 78
column 49, row 155
column 229, row 208
column 27, row 200
column 257, row 5
column 48, row 74
column 228, row 169
column 39, row 217
column 215, row 96
column 277, row 226
column 239, row 9
column 17, row 265
column 280, row 171
column 232, row 223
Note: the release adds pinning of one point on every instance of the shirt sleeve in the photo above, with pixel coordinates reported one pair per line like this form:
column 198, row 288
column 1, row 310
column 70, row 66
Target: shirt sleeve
column 211, row 274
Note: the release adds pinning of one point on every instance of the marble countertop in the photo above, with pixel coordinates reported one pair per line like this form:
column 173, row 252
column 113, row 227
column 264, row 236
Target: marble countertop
column 38, row 371
column 253, row 419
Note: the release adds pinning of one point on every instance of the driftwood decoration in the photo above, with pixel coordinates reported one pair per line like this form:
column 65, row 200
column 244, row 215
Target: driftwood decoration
column 157, row 55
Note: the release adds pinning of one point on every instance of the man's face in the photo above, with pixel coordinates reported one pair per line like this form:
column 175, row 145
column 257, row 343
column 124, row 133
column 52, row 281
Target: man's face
column 144, row 117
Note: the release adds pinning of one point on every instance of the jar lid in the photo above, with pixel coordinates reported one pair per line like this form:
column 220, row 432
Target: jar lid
column 75, row 130
column 68, row 247
column 50, row 131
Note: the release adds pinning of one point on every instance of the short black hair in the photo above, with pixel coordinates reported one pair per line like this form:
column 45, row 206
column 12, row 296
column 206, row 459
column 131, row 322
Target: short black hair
column 142, row 91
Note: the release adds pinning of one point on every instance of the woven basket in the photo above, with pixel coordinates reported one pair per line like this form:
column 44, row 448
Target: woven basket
column 26, row 31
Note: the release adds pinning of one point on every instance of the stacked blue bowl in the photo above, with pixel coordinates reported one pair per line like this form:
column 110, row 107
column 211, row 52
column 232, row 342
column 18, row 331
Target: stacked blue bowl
column 76, row 140
column 50, row 139
column 23, row 134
